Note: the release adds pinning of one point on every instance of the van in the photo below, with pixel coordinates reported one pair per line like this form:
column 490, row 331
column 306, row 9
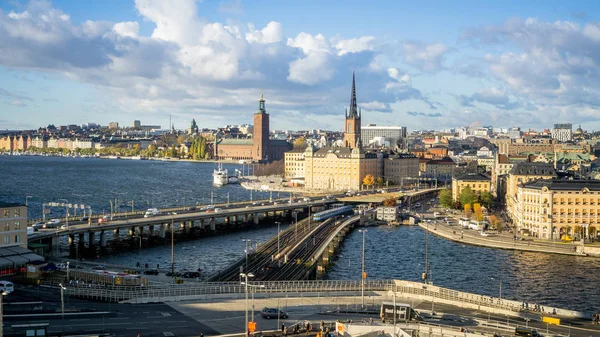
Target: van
column 151, row 212
column 6, row 286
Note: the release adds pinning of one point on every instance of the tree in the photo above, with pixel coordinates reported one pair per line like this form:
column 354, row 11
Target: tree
column 446, row 198
column 389, row 202
column 486, row 199
column 300, row 144
column 466, row 196
column 369, row 180
column 380, row 182
column 467, row 210
column 493, row 221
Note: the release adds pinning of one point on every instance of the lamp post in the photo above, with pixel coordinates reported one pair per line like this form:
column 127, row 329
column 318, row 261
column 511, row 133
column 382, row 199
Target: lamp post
column 246, row 276
column 62, row 300
column 499, row 287
column 278, row 223
column 68, row 265
column 67, row 210
column 172, row 248
column 27, row 200
column 4, row 293
column 362, row 275
column 246, row 252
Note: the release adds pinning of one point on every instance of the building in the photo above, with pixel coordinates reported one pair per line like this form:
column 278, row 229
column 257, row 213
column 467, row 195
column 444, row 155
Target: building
column 477, row 182
column 522, row 173
column 437, row 169
column 21, row 143
column 294, row 164
column 353, row 120
column 339, row 168
column 395, row 135
column 258, row 148
column 387, row 213
column 563, row 132
column 7, row 143
column 400, row 168
column 39, row 142
column 551, row 208
column 137, row 124
column 13, row 221
column 113, row 125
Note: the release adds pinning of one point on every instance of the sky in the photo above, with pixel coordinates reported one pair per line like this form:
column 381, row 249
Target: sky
column 421, row 64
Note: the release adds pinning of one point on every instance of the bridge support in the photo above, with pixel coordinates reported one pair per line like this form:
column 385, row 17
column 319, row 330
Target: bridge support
column 245, row 218
column 102, row 239
column 162, row 231
column 55, row 242
column 213, row 224
column 255, row 218
column 132, row 231
column 150, row 230
column 201, row 223
column 140, row 230
column 91, row 238
column 81, row 239
column 116, row 234
column 71, row 239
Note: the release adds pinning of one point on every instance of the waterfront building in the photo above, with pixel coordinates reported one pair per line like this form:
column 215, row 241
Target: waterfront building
column 7, row 143
column 39, row 142
column 294, row 164
column 21, row 143
column 113, row 125
column 478, row 183
column 83, row 143
column 563, row 132
column 550, row 208
column 502, row 165
column 522, row 173
column 13, row 221
column 258, row 148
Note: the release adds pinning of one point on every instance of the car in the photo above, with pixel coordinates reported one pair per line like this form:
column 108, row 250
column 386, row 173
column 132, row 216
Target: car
column 65, row 226
column 50, row 225
column 482, row 233
column 192, row 208
column 170, row 274
column 38, row 225
column 217, row 210
column 84, row 218
column 269, row 313
column 256, row 203
column 6, row 286
column 190, row 274
column 151, row 272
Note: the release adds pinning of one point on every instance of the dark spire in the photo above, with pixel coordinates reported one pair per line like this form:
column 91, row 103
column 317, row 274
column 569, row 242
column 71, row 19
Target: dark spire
column 353, row 110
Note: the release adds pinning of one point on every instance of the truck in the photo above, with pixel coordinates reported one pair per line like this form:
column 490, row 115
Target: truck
column 403, row 312
column 151, row 212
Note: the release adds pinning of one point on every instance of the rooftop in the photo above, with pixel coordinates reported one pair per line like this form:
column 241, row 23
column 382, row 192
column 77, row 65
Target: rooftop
column 538, row 169
column 564, row 185
column 472, row 177
column 10, row 204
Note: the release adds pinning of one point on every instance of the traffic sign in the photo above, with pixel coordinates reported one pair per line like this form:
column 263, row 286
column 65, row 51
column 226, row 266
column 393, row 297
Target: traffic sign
column 251, row 326
column 364, row 275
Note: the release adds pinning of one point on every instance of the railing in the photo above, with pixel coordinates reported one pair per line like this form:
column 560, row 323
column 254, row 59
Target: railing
column 120, row 293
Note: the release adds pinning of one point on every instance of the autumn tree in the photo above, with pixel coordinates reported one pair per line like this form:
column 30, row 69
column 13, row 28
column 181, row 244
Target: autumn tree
column 369, row 180
column 446, row 198
column 300, row 144
column 389, row 202
column 467, row 208
column 486, row 199
column 380, row 182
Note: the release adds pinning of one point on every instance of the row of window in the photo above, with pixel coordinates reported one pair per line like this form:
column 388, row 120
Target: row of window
column 6, row 239
column 16, row 212
column 16, row 227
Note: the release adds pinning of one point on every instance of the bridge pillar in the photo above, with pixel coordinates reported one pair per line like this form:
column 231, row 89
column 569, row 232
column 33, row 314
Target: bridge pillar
column 201, row 223
column 81, row 239
column 255, row 218
column 150, row 230
column 102, row 239
column 235, row 219
column 71, row 239
column 245, row 218
column 140, row 230
column 91, row 238
column 116, row 234
column 161, row 231
column 132, row 231
column 213, row 224
column 227, row 220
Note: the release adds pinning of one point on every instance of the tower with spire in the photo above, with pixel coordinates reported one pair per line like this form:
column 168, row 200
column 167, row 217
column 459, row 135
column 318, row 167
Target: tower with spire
column 261, row 132
column 352, row 125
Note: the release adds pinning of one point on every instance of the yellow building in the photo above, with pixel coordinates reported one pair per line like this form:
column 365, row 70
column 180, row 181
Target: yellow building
column 13, row 224
column 339, row 168
column 294, row 164
column 522, row 173
column 552, row 208
column 478, row 183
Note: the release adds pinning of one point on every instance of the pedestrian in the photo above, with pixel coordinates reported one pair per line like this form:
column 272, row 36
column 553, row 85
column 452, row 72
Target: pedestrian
column 283, row 329
column 308, row 327
column 157, row 266
column 322, row 327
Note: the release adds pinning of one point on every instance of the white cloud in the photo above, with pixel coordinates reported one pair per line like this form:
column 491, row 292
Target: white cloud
column 272, row 33
column 427, row 58
column 128, row 29
column 312, row 69
column 309, row 43
column 355, row 45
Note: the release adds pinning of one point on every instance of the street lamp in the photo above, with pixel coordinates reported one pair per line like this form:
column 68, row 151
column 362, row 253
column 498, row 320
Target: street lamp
column 27, row 200
column 62, row 300
column 4, row 293
column 68, row 263
column 278, row 223
column 246, row 276
column 363, row 275
column 247, row 241
column 499, row 287
column 67, row 210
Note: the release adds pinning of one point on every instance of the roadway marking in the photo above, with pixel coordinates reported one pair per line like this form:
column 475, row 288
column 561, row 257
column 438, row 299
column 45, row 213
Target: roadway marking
column 167, row 333
column 166, row 314
column 119, row 318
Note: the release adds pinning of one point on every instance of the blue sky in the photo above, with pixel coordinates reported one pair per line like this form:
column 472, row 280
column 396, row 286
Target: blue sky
column 422, row 64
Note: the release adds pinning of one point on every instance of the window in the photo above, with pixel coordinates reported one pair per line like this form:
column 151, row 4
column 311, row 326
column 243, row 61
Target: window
column 6, row 213
column 6, row 239
column 17, row 238
column 17, row 212
column 17, row 226
column 6, row 227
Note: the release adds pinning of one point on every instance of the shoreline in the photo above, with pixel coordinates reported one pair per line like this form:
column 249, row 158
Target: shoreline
column 173, row 160
column 465, row 236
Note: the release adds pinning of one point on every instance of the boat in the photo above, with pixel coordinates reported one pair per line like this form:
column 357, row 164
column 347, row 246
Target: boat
column 220, row 176
column 233, row 180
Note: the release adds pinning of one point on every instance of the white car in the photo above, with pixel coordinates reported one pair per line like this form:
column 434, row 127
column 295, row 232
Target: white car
column 482, row 233
column 217, row 210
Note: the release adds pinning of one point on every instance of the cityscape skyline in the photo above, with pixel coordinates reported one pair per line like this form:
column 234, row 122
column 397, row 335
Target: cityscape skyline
column 72, row 63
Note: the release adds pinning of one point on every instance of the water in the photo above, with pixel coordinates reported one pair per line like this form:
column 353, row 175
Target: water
column 565, row 281
column 546, row 279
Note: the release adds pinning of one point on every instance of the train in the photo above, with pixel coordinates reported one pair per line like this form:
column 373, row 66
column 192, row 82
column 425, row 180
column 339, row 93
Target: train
column 324, row 215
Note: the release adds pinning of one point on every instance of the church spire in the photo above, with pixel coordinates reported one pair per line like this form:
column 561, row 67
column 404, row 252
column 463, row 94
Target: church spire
column 353, row 109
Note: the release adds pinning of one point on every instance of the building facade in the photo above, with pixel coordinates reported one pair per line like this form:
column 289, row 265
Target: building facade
column 549, row 209
column 13, row 224
column 400, row 168
column 395, row 135
column 294, row 164
column 478, row 183
column 522, row 173
column 563, row 132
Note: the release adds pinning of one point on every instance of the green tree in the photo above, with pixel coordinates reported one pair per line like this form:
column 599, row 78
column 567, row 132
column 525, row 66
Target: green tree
column 379, row 181
column 486, row 199
column 446, row 198
column 467, row 196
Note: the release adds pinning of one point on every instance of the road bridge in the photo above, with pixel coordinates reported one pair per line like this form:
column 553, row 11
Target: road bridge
column 158, row 225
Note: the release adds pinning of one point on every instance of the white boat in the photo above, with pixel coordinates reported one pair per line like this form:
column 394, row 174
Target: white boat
column 220, row 176
column 233, row 180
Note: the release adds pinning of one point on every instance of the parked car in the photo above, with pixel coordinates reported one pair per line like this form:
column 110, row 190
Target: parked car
column 151, row 272
column 269, row 313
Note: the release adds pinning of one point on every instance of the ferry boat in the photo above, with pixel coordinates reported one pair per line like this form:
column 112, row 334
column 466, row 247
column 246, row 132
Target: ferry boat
column 220, row 176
